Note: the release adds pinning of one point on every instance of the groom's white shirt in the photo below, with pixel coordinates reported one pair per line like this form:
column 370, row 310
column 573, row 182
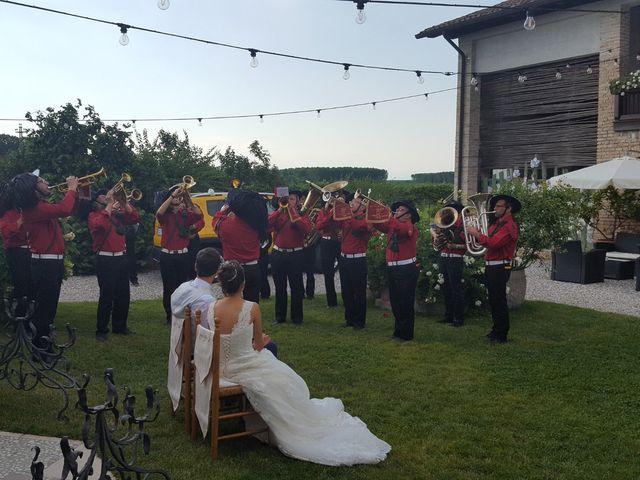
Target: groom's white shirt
column 196, row 294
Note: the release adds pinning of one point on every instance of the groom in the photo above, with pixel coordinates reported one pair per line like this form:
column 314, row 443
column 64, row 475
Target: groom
column 199, row 294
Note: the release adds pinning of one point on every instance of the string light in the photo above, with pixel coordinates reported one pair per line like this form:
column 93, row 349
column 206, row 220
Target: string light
column 346, row 75
column 419, row 75
column 426, row 96
column 558, row 75
column 474, row 80
column 261, row 118
column 361, row 17
column 318, row 113
column 529, row 22
column 589, row 70
column 124, row 38
column 254, row 59
column 199, row 122
column 373, row 104
column 163, row 4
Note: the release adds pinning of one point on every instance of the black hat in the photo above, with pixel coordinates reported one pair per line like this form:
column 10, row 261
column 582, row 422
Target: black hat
column 250, row 207
column 415, row 216
column 96, row 193
column 455, row 204
column 23, row 190
column 348, row 196
column 515, row 204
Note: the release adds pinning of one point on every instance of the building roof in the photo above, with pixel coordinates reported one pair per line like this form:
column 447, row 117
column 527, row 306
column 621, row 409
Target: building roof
column 491, row 17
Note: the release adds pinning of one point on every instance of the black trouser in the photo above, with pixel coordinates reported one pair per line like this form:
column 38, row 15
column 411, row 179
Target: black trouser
column 453, row 289
column 403, row 280
column 19, row 265
column 174, row 269
column 113, row 279
column 329, row 253
column 288, row 266
column 353, row 280
column 309, row 269
column 497, row 277
column 46, row 280
column 130, row 241
column 252, row 280
column 194, row 248
column 265, row 288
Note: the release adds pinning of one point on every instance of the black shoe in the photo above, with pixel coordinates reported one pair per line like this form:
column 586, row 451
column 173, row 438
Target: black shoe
column 101, row 337
column 346, row 325
column 490, row 335
column 278, row 322
column 332, row 306
column 126, row 331
column 445, row 320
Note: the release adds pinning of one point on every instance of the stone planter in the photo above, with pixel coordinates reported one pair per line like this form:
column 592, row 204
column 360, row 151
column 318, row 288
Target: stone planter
column 516, row 288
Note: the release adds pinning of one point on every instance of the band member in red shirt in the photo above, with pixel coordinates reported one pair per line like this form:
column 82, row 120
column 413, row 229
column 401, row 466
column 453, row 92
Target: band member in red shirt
column 40, row 220
column 175, row 219
column 451, row 265
column 287, row 257
column 329, row 245
column 241, row 225
column 353, row 261
column 402, row 237
column 107, row 227
column 501, row 240
column 16, row 245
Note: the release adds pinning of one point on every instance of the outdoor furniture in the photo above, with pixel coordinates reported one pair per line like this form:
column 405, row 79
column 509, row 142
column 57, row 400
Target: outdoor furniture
column 619, row 269
column 622, row 255
column 186, row 348
column 638, row 275
column 227, row 401
column 571, row 264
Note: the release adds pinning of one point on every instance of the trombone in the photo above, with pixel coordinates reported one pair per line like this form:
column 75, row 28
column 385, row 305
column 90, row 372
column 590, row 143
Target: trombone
column 82, row 181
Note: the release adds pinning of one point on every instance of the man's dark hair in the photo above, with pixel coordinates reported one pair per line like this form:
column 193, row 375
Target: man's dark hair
column 208, row 262
column 23, row 190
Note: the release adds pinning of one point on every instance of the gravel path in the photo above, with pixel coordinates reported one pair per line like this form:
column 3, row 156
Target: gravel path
column 616, row 296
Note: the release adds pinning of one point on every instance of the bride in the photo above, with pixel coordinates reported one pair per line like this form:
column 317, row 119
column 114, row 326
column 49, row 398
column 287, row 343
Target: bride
column 315, row 430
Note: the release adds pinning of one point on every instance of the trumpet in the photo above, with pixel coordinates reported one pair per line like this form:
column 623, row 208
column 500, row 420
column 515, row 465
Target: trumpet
column 120, row 192
column 183, row 189
column 82, row 181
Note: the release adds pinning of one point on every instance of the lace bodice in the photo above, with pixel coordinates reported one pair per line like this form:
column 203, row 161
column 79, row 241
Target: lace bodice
column 238, row 343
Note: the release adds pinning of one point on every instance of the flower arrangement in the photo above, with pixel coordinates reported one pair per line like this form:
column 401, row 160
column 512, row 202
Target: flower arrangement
column 631, row 83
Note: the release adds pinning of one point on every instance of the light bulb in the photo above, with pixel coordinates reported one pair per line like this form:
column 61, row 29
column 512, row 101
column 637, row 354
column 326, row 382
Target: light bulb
column 361, row 17
column 529, row 22
column 318, row 113
column 558, row 75
column 254, row 58
column 589, row 70
column 426, row 96
column 373, row 104
column 199, row 122
column 124, row 38
column 420, row 78
column 474, row 80
column 163, row 4
column 261, row 118
column 346, row 75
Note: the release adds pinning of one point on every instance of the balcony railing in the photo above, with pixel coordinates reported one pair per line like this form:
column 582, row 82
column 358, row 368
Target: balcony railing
column 627, row 112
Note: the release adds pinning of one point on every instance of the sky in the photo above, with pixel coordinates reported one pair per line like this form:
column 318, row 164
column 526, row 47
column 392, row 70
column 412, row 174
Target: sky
column 50, row 60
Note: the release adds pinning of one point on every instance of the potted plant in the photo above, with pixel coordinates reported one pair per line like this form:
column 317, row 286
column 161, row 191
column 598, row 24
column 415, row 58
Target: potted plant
column 622, row 85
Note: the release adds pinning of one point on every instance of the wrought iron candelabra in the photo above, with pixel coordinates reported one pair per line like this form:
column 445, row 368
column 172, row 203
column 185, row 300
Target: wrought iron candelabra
column 26, row 361
column 112, row 450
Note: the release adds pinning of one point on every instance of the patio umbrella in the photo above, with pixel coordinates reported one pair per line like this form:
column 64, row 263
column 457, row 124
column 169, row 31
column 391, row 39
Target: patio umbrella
column 622, row 173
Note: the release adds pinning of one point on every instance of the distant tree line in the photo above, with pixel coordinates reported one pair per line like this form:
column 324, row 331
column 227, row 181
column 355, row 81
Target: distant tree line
column 437, row 177
column 297, row 176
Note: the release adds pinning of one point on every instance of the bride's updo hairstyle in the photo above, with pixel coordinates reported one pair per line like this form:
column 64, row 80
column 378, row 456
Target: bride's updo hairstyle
column 230, row 276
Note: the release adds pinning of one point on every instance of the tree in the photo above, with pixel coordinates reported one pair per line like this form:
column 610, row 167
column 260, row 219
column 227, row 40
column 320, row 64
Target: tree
column 609, row 210
column 257, row 175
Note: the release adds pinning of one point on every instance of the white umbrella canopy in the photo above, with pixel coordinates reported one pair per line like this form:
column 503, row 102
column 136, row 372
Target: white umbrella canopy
column 622, row 173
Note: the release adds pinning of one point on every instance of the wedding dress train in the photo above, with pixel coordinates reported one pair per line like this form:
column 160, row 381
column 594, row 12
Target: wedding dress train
column 315, row 430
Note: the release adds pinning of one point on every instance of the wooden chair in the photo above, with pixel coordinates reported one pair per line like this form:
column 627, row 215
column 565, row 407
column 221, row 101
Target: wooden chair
column 187, row 370
column 228, row 402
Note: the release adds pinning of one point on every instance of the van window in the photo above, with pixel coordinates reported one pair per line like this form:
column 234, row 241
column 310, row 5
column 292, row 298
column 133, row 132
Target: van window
column 214, row 206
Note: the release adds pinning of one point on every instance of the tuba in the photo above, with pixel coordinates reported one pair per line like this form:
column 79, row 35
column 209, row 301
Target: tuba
column 316, row 193
column 476, row 215
column 82, row 181
column 441, row 232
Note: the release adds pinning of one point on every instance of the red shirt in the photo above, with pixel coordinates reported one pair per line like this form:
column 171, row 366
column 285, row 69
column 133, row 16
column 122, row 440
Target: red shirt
column 239, row 241
column 404, row 235
column 324, row 224
column 42, row 226
column 104, row 229
column 12, row 235
column 355, row 233
column 458, row 238
column 175, row 228
column 288, row 234
column 501, row 241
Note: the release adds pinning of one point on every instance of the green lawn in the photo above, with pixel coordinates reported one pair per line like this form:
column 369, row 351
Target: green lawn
column 561, row 400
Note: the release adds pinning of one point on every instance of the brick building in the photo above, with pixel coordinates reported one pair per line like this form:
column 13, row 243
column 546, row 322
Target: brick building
column 542, row 93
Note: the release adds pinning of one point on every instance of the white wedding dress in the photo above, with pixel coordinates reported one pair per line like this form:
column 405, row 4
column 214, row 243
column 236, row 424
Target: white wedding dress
column 305, row 428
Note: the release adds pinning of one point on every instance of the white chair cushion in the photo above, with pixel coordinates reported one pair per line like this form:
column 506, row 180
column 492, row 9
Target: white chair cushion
column 622, row 256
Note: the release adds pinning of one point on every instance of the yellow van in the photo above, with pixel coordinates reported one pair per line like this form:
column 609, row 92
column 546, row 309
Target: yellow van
column 210, row 203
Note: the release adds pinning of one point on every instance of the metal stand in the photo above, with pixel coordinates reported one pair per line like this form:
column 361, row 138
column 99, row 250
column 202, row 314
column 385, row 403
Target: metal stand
column 25, row 364
column 103, row 443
